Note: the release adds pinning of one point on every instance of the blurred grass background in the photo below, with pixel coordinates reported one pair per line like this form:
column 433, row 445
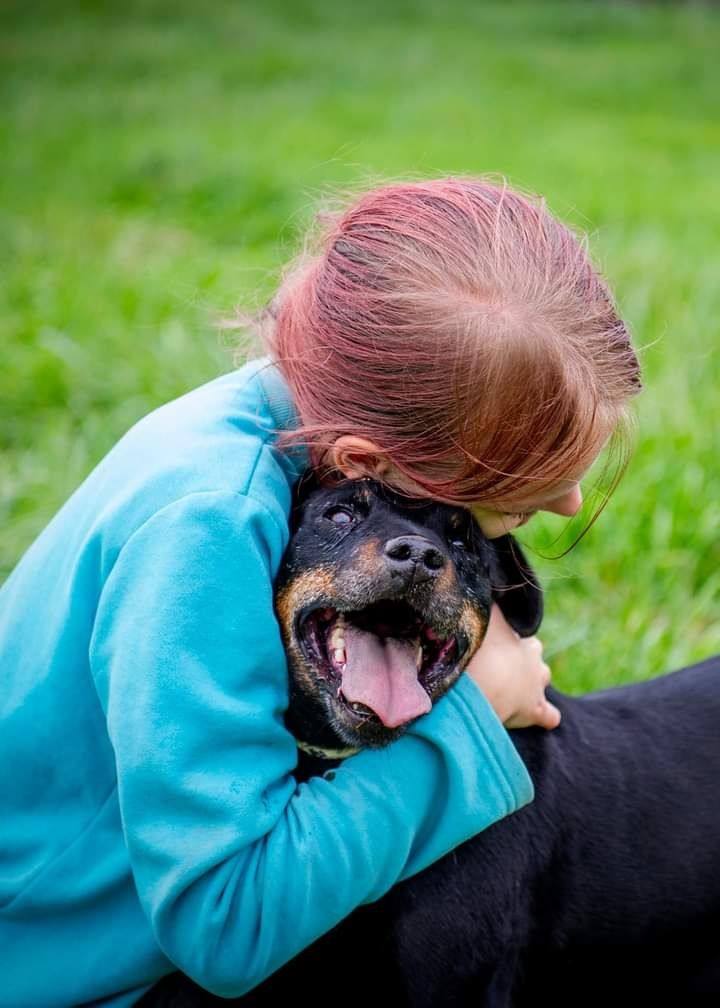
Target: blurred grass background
column 161, row 160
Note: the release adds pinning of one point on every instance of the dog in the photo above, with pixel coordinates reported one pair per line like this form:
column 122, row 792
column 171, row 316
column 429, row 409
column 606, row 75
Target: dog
column 381, row 601
column 606, row 889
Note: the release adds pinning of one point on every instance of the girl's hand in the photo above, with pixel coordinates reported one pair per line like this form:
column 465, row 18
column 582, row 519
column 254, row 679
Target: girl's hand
column 512, row 674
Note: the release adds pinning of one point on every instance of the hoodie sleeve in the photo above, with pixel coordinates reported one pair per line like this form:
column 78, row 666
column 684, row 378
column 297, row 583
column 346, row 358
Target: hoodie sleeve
column 224, row 846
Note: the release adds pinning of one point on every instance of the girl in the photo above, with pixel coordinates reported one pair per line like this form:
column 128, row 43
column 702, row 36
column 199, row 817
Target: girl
column 449, row 337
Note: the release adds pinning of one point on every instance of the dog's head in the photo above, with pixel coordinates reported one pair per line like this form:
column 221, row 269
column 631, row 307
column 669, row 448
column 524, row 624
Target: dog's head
column 382, row 601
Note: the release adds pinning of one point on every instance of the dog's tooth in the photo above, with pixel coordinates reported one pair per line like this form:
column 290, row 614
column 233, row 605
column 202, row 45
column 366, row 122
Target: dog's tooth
column 339, row 656
column 419, row 656
column 337, row 639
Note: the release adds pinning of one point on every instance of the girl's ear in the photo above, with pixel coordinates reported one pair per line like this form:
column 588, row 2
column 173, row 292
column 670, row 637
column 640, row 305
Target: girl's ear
column 515, row 586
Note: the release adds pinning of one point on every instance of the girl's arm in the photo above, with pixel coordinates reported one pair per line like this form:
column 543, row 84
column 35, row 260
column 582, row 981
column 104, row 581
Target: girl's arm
column 236, row 866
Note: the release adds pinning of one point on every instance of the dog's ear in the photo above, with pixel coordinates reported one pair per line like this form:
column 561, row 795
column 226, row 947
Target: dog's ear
column 515, row 586
column 306, row 484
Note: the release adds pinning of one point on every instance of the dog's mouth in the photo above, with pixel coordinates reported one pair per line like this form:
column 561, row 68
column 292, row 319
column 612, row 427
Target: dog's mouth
column 381, row 661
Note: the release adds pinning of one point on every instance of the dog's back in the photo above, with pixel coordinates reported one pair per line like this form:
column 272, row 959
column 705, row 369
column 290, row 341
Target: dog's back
column 606, row 889
column 631, row 893
column 608, row 883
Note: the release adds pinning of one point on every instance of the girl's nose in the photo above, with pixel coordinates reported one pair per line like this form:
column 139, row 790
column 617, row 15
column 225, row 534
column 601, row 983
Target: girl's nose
column 568, row 505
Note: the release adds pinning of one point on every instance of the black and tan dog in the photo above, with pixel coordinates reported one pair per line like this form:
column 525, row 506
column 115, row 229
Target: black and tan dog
column 382, row 601
column 605, row 890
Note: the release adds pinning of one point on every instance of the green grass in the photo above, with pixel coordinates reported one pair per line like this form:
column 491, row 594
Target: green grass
column 160, row 159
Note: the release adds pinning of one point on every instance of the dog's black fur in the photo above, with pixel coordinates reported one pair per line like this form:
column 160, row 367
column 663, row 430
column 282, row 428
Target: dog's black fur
column 397, row 567
column 605, row 890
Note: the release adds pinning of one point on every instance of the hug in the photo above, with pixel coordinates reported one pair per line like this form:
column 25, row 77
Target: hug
column 613, row 872
column 447, row 361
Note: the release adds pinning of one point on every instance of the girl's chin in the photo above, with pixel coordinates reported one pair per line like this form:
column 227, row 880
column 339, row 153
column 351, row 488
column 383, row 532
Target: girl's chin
column 496, row 525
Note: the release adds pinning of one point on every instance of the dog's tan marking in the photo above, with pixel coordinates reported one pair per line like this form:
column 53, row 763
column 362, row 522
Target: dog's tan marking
column 474, row 627
column 367, row 556
column 303, row 590
column 446, row 581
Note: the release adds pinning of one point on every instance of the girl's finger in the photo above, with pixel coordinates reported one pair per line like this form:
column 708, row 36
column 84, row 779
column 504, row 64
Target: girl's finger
column 550, row 717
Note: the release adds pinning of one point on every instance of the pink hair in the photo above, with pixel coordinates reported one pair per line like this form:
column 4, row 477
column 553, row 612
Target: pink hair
column 463, row 329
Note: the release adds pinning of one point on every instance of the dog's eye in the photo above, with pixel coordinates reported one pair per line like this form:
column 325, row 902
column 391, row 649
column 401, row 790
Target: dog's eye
column 339, row 515
column 458, row 533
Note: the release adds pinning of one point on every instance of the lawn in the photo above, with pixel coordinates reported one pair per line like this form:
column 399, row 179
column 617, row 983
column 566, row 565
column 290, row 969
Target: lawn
column 160, row 162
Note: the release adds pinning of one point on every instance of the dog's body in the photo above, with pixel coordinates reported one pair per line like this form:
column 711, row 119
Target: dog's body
column 605, row 890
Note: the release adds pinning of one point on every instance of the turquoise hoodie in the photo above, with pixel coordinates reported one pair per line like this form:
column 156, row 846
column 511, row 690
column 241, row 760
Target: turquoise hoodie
column 149, row 819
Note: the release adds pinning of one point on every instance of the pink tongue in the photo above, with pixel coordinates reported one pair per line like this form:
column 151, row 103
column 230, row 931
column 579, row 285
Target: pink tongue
column 381, row 674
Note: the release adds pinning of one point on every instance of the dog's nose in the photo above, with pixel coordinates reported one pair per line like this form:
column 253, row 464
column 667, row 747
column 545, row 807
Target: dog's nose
column 414, row 555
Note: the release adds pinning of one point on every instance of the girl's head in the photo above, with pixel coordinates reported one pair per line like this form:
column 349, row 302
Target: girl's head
column 453, row 338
